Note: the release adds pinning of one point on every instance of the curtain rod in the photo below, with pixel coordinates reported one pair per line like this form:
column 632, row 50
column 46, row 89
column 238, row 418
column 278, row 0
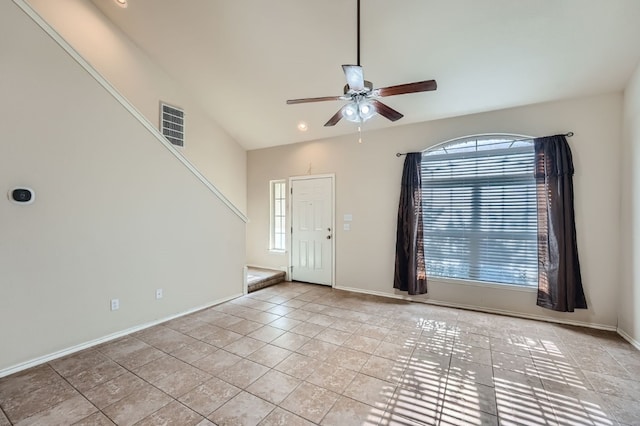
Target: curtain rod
column 568, row 134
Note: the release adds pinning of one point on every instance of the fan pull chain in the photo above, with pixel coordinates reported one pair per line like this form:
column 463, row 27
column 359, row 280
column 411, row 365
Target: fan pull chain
column 360, row 134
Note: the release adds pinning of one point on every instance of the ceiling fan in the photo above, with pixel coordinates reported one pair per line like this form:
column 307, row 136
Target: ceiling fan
column 363, row 97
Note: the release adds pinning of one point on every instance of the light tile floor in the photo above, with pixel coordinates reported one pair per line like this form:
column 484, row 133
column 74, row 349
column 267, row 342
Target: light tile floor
column 299, row 354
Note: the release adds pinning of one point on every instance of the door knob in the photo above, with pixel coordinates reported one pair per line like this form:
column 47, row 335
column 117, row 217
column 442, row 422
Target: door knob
column 328, row 237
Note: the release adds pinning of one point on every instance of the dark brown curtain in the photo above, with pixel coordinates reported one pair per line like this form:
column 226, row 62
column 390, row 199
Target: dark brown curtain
column 559, row 280
column 410, row 272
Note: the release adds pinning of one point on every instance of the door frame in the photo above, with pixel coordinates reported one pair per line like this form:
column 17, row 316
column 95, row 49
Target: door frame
column 332, row 176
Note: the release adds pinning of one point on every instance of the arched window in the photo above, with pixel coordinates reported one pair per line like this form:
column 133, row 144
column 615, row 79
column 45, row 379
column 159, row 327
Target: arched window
column 480, row 216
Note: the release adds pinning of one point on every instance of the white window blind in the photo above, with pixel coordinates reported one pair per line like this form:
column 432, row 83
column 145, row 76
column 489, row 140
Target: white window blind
column 278, row 215
column 479, row 205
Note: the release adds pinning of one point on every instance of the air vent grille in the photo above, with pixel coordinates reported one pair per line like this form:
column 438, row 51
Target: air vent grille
column 172, row 124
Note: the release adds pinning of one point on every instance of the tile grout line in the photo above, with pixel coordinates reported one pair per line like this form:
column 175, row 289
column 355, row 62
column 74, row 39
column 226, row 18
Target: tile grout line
column 5, row 415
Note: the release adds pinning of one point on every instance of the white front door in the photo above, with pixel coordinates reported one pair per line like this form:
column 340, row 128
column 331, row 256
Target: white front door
column 312, row 229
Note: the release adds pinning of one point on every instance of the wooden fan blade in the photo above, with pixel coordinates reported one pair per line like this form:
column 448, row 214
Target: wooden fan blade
column 336, row 117
column 306, row 100
column 355, row 76
column 401, row 89
column 386, row 111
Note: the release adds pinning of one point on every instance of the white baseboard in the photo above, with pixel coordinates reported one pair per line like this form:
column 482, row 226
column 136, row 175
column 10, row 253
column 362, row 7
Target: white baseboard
column 625, row 336
column 76, row 348
column 480, row 309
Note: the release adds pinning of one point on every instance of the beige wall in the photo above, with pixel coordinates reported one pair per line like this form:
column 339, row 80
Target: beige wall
column 144, row 84
column 115, row 216
column 629, row 317
column 368, row 182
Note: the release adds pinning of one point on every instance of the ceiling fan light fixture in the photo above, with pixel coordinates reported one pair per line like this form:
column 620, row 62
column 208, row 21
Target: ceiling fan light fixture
column 358, row 111
column 121, row 3
column 366, row 110
column 350, row 112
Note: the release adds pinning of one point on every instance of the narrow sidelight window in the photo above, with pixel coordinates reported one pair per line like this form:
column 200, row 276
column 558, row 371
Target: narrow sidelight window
column 278, row 215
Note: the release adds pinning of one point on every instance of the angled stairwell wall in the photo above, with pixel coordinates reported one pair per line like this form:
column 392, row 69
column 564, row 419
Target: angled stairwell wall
column 116, row 215
column 144, row 84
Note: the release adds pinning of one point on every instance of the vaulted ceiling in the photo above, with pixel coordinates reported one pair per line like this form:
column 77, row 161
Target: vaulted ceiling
column 242, row 59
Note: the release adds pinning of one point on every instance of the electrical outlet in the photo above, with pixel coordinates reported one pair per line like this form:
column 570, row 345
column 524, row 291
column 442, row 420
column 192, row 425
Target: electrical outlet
column 159, row 293
column 115, row 304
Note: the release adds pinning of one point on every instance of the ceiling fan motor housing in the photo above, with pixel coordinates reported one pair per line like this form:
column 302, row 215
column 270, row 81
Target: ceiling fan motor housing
column 368, row 87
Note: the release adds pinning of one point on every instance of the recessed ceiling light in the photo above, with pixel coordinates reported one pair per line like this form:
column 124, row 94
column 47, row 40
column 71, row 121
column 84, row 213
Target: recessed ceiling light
column 302, row 126
column 121, row 3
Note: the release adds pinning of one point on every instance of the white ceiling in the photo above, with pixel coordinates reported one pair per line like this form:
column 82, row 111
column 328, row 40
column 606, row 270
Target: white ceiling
column 242, row 59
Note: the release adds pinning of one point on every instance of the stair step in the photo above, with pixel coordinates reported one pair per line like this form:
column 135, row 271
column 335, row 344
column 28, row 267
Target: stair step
column 258, row 278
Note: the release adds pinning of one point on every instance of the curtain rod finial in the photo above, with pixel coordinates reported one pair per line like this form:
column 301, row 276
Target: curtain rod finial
column 398, row 154
column 569, row 134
